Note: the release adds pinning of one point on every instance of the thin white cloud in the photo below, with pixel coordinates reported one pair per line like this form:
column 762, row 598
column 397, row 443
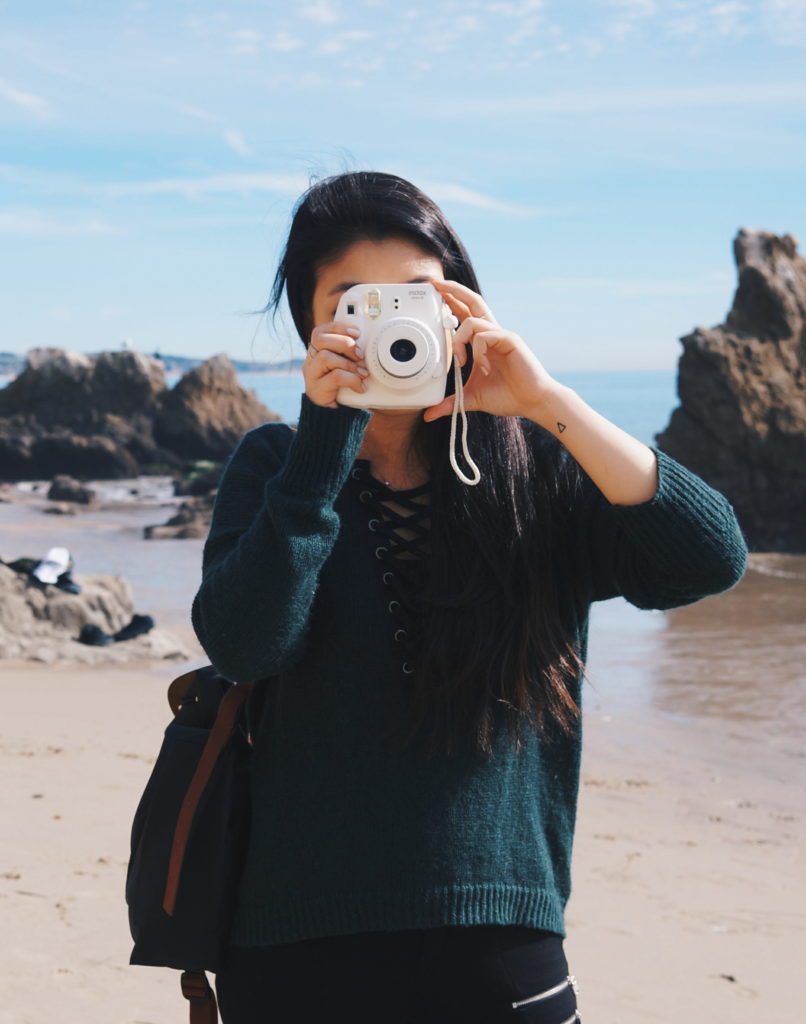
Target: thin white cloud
column 677, row 97
column 199, row 114
column 702, row 19
column 624, row 287
column 785, row 21
column 325, row 12
column 283, row 42
column 280, row 184
column 236, row 142
column 525, row 30
column 27, row 223
column 343, row 41
column 196, row 188
column 446, row 192
column 246, row 40
column 729, row 18
column 626, row 16
column 27, row 101
column 518, row 8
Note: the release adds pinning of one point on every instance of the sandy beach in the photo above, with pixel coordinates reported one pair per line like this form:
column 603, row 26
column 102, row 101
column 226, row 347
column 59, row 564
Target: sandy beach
column 690, row 876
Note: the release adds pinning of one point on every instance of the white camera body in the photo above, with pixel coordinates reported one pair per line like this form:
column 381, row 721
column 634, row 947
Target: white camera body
column 406, row 332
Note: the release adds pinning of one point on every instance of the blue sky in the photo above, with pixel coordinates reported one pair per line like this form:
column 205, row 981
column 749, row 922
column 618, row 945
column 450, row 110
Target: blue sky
column 597, row 158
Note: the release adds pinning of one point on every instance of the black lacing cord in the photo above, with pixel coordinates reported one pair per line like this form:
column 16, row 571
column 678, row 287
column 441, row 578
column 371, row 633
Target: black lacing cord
column 401, row 558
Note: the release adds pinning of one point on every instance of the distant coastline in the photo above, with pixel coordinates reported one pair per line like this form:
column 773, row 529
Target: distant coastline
column 12, row 364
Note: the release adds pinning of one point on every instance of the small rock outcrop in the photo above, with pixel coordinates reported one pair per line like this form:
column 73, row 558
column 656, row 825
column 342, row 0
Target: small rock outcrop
column 41, row 623
column 65, row 488
column 112, row 416
column 192, row 520
column 741, row 423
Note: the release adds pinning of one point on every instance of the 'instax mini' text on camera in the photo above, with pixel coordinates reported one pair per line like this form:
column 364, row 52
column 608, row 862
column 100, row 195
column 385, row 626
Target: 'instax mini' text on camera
column 406, row 337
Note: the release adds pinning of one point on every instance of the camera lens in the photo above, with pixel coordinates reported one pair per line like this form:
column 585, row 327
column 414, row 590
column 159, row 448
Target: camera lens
column 405, row 348
column 402, row 350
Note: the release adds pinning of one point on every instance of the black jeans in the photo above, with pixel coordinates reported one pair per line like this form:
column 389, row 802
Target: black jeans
column 452, row 975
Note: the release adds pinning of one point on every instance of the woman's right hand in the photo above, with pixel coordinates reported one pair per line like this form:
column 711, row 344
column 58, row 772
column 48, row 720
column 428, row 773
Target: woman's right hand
column 335, row 360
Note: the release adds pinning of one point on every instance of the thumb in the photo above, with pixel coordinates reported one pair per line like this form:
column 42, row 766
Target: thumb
column 434, row 412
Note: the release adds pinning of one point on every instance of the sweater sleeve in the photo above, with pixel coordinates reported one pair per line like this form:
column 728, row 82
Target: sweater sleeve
column 680, row 546
column 273, row 527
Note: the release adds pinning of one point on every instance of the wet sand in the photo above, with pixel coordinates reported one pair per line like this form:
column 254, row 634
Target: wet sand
column 689, row 898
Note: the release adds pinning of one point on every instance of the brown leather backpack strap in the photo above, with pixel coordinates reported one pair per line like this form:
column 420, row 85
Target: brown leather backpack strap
column 178, row 689
column 217, row 740
column 198, row 992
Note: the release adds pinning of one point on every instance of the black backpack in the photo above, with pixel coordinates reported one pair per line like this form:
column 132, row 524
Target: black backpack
column 190, row 833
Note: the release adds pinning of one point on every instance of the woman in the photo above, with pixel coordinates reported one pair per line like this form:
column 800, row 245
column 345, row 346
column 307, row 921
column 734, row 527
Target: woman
column 417, row 756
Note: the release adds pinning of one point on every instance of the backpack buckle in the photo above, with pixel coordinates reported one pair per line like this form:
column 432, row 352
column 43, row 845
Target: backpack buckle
column 195, row 987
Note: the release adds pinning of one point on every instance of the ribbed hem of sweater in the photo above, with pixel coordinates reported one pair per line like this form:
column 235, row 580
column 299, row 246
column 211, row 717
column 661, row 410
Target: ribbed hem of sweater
column 324, row 448
column 656, row 524
column 396, row 909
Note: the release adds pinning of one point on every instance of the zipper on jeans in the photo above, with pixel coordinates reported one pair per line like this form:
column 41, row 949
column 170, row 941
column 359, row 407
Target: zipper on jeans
column 570, row 980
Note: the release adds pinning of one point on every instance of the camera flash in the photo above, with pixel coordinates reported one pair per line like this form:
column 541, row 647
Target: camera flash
column 373, row 303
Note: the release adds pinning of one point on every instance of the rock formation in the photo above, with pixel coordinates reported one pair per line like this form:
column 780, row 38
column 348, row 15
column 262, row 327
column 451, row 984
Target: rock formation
column 204, row 416
column 192, row 520
column 65, row 488
column 111, row 416
column 741, row 423
column 42, row 623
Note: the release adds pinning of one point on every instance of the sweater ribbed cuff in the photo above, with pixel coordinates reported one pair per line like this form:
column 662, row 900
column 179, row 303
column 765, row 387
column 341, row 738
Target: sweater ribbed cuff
column 324, row 448
column 686, row 518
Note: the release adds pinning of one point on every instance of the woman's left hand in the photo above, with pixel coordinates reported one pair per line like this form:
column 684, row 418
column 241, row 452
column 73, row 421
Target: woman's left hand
column 507, row 377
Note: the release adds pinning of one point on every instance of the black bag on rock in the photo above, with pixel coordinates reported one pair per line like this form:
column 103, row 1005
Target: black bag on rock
column 189, row 835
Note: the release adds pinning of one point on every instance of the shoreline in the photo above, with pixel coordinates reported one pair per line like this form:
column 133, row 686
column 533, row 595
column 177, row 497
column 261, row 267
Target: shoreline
column 684, row 846
column 689, row 872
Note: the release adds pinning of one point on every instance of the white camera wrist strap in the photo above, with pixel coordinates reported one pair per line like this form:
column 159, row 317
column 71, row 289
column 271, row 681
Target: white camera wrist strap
column 459, row 408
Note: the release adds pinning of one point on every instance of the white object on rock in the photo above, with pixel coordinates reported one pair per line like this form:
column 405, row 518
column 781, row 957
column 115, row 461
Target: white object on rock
column 55, row 562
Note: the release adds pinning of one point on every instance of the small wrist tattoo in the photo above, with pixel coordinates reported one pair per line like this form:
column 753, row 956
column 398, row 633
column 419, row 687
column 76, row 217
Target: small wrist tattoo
column 560, row 426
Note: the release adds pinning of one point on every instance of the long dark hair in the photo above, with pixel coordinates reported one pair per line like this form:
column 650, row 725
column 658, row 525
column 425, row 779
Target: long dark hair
column 497, row 629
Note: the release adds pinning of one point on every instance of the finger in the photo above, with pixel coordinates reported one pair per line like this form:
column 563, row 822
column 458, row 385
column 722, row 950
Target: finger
column 480, row 360
column 456, row 306
column 469, row 327
column 443, row 408
column 348, row 347
column 328, row 385
column 465, row 334
column 459, row 351
column 325, row 361
column 474, row 302
column 338, row 338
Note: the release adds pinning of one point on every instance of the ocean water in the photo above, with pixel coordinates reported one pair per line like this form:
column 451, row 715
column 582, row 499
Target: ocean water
column 639, row 402
column 736, row 660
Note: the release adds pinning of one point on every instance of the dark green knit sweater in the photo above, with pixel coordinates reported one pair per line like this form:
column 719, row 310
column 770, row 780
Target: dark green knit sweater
column 350, row 834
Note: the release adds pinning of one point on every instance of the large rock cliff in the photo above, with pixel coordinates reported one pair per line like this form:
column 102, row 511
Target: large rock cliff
column 741, row 423
column 112, row 416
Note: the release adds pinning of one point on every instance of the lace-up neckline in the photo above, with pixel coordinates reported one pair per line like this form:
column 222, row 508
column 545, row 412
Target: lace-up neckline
column 398, row 528
column 401, row 519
